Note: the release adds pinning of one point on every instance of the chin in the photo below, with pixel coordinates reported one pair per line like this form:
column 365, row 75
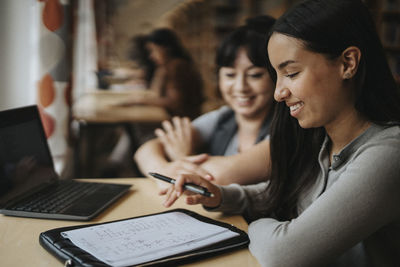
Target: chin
column 307, row 124
column 242, row 110
column 304, row 124
column 246, row 112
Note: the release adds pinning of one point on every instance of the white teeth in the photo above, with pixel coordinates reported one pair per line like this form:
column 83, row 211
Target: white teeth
column 243, row 99
column 296, row 107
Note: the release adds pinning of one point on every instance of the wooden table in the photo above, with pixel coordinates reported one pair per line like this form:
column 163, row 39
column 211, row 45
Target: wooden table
column 19, row 237
column 102, row 107
column 98, row 111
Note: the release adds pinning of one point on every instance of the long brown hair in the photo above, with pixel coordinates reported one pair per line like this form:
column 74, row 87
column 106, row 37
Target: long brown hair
column 327, row 27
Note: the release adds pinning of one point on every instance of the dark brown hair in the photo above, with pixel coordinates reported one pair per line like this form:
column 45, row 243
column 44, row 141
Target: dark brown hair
column 327, row 27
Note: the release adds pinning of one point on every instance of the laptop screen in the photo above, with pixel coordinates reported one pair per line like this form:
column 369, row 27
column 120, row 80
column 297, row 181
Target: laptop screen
column 25, row 160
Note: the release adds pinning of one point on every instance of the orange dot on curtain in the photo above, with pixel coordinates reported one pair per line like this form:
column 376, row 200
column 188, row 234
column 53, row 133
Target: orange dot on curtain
column 52, row 14
column 47, row 121
column 46, row 90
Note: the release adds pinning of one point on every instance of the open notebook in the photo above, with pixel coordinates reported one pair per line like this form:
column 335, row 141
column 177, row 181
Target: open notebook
column 163, row 239
column 29, row 185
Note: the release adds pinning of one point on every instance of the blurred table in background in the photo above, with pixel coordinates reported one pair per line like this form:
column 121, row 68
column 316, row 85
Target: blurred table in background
column 102, row 107
column 96, row 111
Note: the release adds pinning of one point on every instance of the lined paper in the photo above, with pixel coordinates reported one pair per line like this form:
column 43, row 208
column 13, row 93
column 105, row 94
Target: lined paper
column 148, row 238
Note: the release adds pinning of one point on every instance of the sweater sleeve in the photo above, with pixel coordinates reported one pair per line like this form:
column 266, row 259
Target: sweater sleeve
column 363, row 200
column 243, row 199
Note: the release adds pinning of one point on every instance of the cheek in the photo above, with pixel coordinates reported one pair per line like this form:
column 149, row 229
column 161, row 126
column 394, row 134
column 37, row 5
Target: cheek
column 263, row 87
column 322, row 90
column 224, row 85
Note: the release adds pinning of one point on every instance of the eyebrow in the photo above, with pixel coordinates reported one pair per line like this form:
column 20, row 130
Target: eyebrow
column 248, row 68
column 285, row 63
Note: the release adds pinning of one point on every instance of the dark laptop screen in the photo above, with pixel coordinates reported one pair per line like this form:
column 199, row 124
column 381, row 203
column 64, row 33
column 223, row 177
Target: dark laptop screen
column 25, row 161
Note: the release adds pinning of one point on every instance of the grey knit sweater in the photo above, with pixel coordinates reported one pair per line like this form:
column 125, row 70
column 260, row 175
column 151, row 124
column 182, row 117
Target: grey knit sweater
column 350, row 217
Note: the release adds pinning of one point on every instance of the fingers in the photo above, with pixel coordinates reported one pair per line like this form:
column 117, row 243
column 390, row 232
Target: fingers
column 170, row 195
column 198, row 159
column 183, row 127
column 192, row 198
column 187, row 126
column 189, row 167
column 168, row 128
column 209, row 177
column 173, row 192
column 196, row 168
column 161, row 135
column 195, row 199
column 176, row 137
column 178, row 126
column 163, row 191
column 190, row 178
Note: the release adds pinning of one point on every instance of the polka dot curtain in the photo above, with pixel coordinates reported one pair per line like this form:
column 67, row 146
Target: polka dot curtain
column 54, row 86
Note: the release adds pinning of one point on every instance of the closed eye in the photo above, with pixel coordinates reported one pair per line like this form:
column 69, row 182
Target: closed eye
column 292, row 75
column 256, row 75
column 230, row 75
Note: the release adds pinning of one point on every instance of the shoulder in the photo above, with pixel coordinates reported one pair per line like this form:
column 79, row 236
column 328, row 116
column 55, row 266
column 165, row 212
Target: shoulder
column 207, row 123
column 377, row 157
column 178, row 63
column 217, row 114
column 390, row 132
column 384, row 136
column 224, row 111
column 214, row 115
column 373, row 167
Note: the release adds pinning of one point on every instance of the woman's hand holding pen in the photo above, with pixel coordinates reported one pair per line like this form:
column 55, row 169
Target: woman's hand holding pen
column 173, row 192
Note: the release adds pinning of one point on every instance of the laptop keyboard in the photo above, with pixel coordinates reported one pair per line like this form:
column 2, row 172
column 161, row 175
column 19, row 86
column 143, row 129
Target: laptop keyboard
column 57, row 198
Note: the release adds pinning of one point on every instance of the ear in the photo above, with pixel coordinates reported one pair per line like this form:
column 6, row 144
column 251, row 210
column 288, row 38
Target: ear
column 350, row 61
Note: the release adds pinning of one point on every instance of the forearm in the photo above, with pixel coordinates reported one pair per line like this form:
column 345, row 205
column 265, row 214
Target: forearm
column 250, row 167
column 150, row 157
column 238, row 199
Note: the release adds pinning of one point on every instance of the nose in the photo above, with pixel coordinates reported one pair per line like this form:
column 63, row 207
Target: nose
column 281, row 92
column 240, row 83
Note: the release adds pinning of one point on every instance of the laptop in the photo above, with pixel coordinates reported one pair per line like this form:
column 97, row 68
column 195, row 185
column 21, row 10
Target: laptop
column 29, row 184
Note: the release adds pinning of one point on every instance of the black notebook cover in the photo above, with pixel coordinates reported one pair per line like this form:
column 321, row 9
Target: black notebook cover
column 63, row 249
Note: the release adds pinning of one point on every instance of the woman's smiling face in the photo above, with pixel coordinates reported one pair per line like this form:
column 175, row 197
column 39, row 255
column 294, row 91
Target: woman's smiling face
column 309, row 83
column 247, row 89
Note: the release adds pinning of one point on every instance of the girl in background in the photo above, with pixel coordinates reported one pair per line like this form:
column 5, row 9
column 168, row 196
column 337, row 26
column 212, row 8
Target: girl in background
column 176, row 82
column 246, row 87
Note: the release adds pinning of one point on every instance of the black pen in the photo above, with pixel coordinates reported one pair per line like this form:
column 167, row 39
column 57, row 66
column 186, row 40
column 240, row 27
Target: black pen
column 189, row 186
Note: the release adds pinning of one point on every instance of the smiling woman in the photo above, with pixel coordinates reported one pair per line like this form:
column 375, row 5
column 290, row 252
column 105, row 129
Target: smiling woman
column 302, row 74
column 247, row 89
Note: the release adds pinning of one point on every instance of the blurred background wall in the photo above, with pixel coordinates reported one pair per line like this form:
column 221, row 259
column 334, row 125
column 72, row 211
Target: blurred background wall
column 201, row 24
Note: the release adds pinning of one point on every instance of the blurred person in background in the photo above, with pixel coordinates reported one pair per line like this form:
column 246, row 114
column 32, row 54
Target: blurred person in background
column 176, row 81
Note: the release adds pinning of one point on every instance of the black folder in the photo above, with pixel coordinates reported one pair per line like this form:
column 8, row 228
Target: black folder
column 71, row 255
